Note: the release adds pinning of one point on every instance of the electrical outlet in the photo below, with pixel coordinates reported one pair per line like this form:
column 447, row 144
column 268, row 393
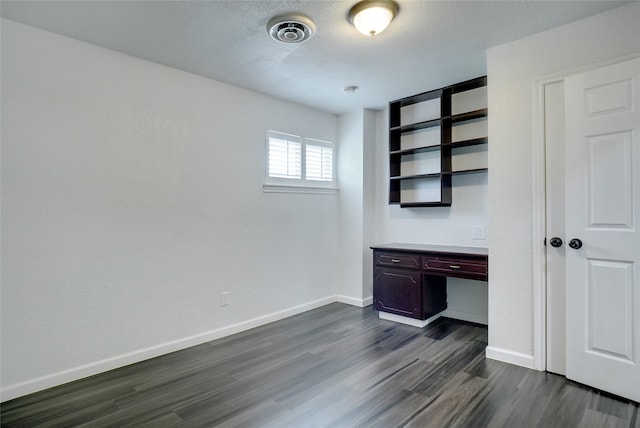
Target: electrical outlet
column 478, row 232
column 224, row 298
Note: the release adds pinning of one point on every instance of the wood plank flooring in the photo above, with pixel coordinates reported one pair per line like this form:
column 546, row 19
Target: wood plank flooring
column 336, row 366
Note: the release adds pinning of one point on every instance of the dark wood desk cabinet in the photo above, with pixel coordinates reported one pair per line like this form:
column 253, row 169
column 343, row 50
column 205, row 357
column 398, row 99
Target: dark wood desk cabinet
column 411, row 279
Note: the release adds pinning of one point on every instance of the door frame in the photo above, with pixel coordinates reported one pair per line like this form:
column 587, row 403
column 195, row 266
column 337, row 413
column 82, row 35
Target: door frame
column 539, row 205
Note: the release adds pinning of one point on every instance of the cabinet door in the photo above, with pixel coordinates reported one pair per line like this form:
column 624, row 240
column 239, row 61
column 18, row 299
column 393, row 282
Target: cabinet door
column 398, row 291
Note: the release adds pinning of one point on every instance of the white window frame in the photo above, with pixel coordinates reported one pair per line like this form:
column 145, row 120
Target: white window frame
column 302, row 184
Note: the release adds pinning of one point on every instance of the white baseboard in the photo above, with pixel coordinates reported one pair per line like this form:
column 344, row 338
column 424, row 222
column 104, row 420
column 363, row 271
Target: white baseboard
column 408, row 321
column 510, row 357
column 354, row 301
column 465, row 316
column 59, row 378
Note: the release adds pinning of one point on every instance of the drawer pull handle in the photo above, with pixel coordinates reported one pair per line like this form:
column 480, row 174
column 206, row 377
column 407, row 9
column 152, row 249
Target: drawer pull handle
column 395, row 261
column 454, row 267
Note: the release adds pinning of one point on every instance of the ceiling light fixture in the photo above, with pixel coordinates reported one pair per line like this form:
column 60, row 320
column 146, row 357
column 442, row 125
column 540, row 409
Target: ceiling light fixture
column 371, row 17
column 291, row 28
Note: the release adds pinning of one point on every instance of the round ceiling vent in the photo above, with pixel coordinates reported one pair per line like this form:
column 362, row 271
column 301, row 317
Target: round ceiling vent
column 291, row 28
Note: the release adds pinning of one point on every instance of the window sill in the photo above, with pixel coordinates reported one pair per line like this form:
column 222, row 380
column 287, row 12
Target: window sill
column 282, row 188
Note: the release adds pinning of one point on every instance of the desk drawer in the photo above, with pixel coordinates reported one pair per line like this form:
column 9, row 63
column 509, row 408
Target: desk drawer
column 459, row 267
column 409, row 261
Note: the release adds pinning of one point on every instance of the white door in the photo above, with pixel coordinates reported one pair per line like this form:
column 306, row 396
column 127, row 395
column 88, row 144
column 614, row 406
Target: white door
column 602, row 170
column 555, row 218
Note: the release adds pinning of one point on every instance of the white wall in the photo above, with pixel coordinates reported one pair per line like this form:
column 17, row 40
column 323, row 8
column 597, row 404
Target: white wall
column 356, row 133
column 369, row 174
column 131, row 198
column 351, row 229
column 466, row 299
column 512, row 69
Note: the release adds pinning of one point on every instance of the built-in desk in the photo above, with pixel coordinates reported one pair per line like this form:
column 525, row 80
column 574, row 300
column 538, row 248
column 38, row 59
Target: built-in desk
column 410, row 280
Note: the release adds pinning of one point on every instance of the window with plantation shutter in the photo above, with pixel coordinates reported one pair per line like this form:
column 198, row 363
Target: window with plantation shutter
column 285, row 155
column 299, row 164
column 318, row 160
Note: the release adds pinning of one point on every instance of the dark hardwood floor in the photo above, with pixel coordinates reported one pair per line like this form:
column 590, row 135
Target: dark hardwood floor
column 336, row 366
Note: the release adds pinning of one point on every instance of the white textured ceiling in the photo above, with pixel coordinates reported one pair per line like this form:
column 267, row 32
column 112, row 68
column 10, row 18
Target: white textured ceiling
column 430, row 43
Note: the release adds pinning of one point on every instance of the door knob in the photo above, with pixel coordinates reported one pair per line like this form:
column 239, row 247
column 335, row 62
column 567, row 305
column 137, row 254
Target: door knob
column 575, row 243
column 555, row 242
